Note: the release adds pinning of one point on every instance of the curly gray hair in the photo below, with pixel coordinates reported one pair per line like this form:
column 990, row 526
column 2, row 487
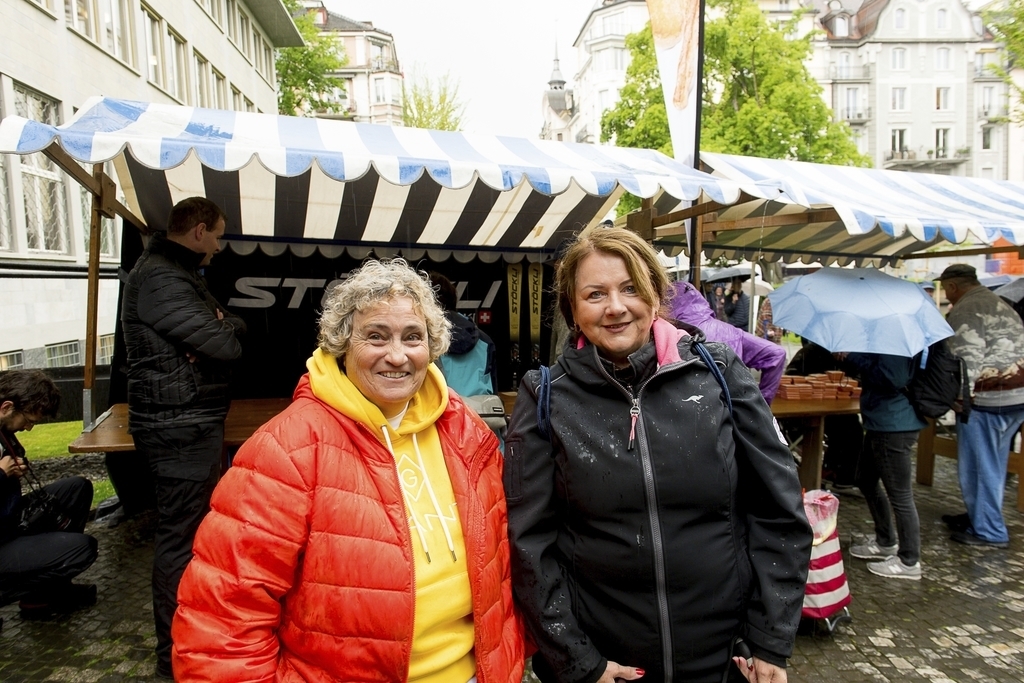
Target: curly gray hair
column 380, row 281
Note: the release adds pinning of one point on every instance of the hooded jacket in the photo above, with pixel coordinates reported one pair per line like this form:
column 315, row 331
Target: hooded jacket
column 168, row 314
column 655, row 554
column 469, row 366
column 689, row 306
column 304, row 568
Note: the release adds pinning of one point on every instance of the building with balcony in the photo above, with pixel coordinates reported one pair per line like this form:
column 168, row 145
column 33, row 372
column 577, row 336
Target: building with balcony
column 372, row 78
column 913, row 78
column 54, row 55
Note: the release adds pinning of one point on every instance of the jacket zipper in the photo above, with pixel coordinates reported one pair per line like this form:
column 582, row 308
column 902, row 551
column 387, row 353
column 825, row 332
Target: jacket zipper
column 654, row 518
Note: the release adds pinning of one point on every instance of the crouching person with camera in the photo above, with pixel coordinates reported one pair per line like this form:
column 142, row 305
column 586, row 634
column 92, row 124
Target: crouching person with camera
column 42, row 547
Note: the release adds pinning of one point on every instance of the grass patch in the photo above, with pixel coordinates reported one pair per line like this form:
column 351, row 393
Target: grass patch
column 101, row 490
column 49, row 440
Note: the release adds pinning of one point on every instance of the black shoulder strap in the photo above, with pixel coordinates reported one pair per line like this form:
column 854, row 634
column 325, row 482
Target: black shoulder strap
column 544, row 390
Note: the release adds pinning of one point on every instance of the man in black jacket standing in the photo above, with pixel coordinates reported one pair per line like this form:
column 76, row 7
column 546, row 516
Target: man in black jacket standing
column 179, row 341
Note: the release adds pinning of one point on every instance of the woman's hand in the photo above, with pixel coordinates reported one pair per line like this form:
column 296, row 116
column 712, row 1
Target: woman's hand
column 760, row 671
column 615, row 672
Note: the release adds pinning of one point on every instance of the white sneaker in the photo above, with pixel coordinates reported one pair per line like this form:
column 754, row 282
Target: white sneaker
column 893, row 568
column 872, row 551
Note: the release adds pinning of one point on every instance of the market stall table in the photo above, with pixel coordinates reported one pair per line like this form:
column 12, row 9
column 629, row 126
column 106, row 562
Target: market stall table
column 812, row 413
column 110, row 434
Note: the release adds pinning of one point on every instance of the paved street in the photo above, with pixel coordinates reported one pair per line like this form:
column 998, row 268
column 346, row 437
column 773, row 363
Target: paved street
column 963, row 622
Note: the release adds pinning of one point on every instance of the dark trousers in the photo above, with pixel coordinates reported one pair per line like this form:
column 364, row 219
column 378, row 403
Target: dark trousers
column 185, row 462
column 42, row 562
column 885, row 462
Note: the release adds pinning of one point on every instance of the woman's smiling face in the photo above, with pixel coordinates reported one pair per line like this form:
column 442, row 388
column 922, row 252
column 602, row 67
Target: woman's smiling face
column 608, row 309
column 388, row 354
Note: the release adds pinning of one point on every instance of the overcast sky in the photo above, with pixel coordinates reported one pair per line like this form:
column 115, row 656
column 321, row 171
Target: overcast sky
column 500, row 53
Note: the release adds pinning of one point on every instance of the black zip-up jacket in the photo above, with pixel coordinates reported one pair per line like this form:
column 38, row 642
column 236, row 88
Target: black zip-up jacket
column 167, row 313
column 655, row 554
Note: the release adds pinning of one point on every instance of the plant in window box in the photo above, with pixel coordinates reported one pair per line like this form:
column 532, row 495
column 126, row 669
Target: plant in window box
column 963, row 152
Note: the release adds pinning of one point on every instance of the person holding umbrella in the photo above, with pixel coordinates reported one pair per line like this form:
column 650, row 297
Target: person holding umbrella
column 884, row 470
column 877, row 324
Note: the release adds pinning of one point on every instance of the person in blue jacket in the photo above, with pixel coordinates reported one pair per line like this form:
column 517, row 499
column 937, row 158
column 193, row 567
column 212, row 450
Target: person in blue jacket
column 891, row 426
column 469, row 366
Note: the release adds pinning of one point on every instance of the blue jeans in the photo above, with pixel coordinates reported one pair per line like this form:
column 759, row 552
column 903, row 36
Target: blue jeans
column 983, row 448
column 885, row 461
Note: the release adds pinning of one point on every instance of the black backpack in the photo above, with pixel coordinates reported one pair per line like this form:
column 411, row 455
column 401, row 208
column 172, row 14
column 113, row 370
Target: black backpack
column 934, row 388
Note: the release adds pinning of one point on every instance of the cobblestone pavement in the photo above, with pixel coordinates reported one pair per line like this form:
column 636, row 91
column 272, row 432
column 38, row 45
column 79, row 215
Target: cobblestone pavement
column 963, row 622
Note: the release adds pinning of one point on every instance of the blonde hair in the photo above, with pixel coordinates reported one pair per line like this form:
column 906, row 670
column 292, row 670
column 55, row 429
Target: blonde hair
column 376, row 281
column 646, row 272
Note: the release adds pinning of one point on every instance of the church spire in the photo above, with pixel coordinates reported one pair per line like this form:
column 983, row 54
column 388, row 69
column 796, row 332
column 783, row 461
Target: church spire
column 556, row 81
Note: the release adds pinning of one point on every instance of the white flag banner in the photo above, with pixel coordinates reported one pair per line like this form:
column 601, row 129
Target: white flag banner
column 676, row 25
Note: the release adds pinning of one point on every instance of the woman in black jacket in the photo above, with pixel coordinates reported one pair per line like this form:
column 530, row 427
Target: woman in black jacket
column 654, row 517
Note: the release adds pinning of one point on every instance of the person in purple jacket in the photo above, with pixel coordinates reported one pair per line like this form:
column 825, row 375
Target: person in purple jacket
column 689, row 306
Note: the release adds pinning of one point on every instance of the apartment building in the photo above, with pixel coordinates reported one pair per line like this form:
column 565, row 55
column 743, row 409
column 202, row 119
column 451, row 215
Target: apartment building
column 54, row 55
column 372, row 78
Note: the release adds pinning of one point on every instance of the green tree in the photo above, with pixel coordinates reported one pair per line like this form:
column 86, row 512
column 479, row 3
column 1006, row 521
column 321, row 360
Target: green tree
column 304, row 74
column 759, row 99
column 1007, row 24
column 434, row 104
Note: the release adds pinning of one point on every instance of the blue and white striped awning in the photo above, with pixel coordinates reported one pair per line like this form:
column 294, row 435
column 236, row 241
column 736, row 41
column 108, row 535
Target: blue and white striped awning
column 882, row 215
column 307, row 179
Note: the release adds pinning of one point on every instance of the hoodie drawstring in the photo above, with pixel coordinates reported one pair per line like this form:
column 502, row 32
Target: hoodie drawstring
column 430, row 491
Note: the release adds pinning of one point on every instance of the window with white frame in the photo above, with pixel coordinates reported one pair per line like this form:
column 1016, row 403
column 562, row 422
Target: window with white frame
column 214, row 8
column 899, row 58
column 202, row 77
column 108, row 230
column 220, row 90
column 249, row 106
column 63, row 355
column 986, row 137
column 899, row 18
column 899, row 99
column 898, row 139
column 12, row 360
column 42, row 182
column 6, row 239
column 853, row 104
column 942, row 98
column 177, row 66
column 842, row 27
column 379, row 94
column 942, row 142
column 108, row 23
column 396, row 91
column 231, row 19
column 942, row 59
column 613, row 24
column 257, row 52
column 783, row 5
column 942, row 19
column 105, row 349
column 237, row 101
column 244, row 36
column 268, row 61
column 154, row 34
column 48, row 4
column 988, row 100
column 844, row 65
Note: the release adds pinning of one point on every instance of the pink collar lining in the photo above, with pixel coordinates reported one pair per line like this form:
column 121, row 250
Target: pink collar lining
column 666, row 341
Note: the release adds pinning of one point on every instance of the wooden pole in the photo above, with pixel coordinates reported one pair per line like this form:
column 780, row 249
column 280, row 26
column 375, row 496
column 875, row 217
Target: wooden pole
column 92, row 299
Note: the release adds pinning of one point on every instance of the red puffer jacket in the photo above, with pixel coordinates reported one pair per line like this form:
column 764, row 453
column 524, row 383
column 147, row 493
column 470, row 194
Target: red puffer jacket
column 303, row 570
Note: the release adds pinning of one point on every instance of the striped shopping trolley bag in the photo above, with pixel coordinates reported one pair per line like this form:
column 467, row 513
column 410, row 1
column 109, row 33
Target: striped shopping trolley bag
column 827, row 594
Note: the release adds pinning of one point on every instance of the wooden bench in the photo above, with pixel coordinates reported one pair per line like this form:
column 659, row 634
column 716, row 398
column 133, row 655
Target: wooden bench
column 930, row 444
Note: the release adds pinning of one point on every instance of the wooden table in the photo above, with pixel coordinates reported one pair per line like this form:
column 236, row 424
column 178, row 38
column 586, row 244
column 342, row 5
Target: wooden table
column 812, row 414
column 110, row 435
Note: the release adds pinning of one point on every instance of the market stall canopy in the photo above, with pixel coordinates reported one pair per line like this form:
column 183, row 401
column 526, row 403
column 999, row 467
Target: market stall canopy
column 342, row 183
column 846, row 214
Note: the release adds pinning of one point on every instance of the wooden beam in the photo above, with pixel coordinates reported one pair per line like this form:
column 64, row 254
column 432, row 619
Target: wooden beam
column 778, row 220
column 684, row 214
column 110, row 204
column 640, row 221
column 964, row 252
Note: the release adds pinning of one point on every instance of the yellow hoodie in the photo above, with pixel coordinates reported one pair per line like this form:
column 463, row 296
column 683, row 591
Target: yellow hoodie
column 442, row 645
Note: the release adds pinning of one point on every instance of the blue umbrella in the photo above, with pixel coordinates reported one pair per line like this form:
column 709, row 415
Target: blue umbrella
column 859, row 309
